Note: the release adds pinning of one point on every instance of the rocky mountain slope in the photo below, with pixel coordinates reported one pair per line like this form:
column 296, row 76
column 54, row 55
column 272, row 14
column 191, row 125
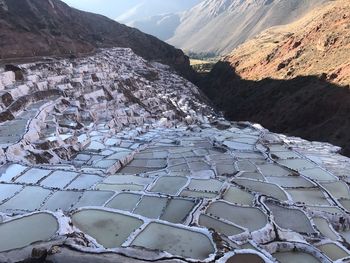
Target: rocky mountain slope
column 49, row 27
column 318, row 44
column 218, row 26
column 292, row 79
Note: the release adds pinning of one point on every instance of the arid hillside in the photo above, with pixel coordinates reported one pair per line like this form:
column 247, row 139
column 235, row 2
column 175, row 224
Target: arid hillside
column 318, row 44
column 31, row 28
column 292, row 79
column 217, row 26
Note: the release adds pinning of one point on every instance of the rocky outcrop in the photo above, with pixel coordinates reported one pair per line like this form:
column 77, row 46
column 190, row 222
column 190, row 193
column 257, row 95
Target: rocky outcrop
column 31, row 28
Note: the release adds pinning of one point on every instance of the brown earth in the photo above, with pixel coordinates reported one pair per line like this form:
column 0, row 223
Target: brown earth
column 292, row 79
column 36, row 28
column 318, row 44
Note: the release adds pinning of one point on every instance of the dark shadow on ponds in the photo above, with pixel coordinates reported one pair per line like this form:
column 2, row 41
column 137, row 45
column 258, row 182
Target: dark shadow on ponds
column 308, row 107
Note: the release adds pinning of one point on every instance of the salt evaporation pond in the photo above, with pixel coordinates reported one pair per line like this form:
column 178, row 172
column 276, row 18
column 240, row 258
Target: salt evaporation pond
column 175, row 240
column 131, row 166
column 333, row 251
column 293, row 257
column 248, row 217
column 110, row 229
column 249, row 258
column 289, row 218
column 26, row 230
column 322, row 225
column 219, row 226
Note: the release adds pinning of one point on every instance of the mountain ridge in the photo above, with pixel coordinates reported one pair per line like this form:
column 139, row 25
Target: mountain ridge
column 44, row 28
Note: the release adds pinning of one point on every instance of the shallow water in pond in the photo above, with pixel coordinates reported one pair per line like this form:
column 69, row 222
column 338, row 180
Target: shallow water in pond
column 292, row 219
column 285, row 154
column 255, row 176
column 63, row 200
column 297, row 164
column 110, row 229
column 211, row 185
column 295, row 257
column 124, row 201
column 246, row 166
column 127, row 179
column 289, row 181
column 119, row 187
column 262, row 187
column 22, row 232
column 59, row 179
column 323, row 226
column 236, row 195
column 318, row 174
column 309, row 196
column 177, row 210
column 30, row 199
column 249, row 258
column 219, row 226
column 8, row 190
column 273, row 170
column 84, row 181
column 169, row 184
column 175, row 240
column 8, row 172
column 197, row 194
column 326, row 209
column 337, row 189
column 333, row 251
column 33, row 175
column 93, row 198
column 151, row 206
column 225, row 169
column 248, row 217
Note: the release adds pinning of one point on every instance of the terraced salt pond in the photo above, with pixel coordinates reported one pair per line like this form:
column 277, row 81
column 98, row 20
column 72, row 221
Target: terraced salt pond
column 23, row 231
column 246, row 217
column 110, row 229
column 291, row 257
column 171, row 198
column 122, row 165
column 175, row 240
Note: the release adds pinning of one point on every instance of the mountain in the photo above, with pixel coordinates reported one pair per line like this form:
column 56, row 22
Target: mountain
column 145, row 9
column 31, row 28
column 156, row 17
column 161, row 26
column 317, row 44
column 292, row 79
column 218, row 26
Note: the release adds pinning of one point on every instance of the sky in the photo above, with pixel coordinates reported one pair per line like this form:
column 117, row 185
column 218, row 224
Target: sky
column 110, row 8
column 122, row 10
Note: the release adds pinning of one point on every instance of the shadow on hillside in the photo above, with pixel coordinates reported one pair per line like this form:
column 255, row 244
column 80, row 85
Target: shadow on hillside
column 308, row 107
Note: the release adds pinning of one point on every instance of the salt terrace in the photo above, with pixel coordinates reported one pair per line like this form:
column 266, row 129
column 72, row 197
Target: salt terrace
column 112, row 158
